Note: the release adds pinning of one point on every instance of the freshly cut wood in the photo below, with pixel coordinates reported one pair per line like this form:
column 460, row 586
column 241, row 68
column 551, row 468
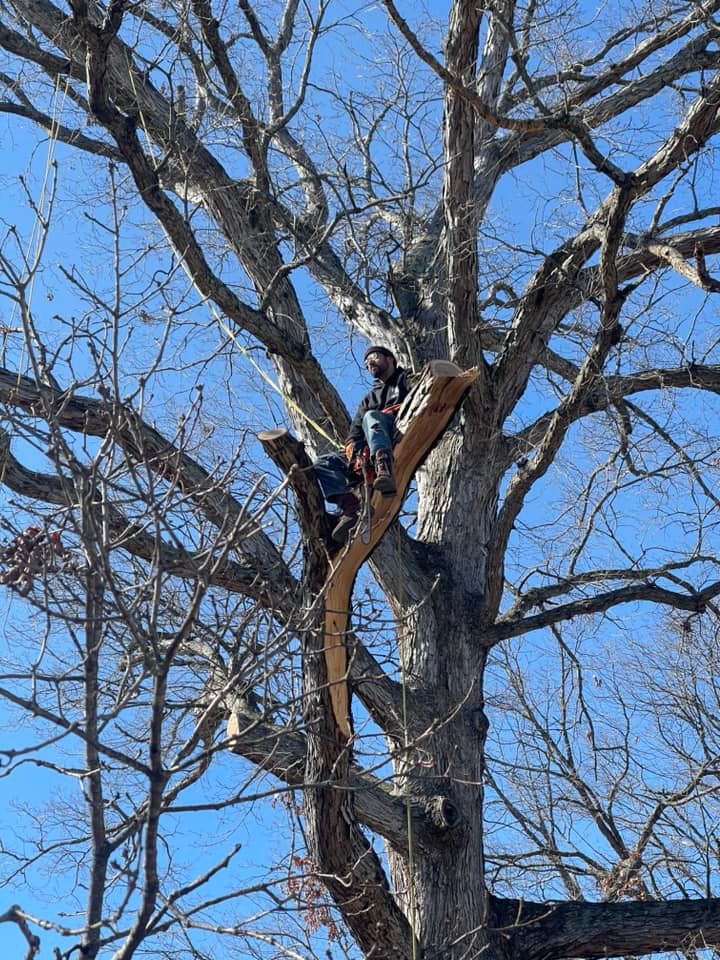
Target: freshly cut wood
column 423, row 417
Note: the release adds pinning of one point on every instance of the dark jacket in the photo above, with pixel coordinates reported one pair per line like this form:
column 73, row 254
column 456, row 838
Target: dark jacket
column 382, row 395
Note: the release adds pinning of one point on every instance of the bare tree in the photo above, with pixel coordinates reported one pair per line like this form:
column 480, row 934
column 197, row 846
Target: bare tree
column 533, row 766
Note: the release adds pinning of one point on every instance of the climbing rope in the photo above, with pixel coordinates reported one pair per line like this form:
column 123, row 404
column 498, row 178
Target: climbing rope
column 289, row 402
column 229, row 333
column 406, row 744
column 271, row 383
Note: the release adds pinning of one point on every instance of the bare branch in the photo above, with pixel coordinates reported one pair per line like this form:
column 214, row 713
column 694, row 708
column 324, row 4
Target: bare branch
column 650, row 592
column 136, row 540
column 146, row 446
column 16, row 916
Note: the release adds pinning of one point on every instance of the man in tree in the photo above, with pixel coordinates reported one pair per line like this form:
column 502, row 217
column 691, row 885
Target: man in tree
column 372, row 433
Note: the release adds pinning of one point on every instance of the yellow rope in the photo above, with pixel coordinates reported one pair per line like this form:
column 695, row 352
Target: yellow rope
column 288, row 400
column 34, row 243
column 33, row 248
column 316, row 426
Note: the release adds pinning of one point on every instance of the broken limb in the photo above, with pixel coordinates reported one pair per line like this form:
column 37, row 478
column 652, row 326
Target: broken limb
column 338, row 848
column 425, row 414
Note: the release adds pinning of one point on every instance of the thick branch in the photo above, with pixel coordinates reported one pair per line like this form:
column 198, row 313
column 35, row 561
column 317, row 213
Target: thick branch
column 454, row 80
column 346, row 862
column 698, row 276
column 565, row 584
column 254, row 142
column 59, row 131
column 144, row 445
column 15, row 915
column 425, row 414
column 566, row 412
column 460, row 213
column 380, row 695
column 613, row 73
column 123, row 98
column 641, row 261
column 543, row 302
column 612, row 390
column 21, row 47
column 693, row 57
column 282, row 751
column 183, row 238
column 290, row 456
column 588, row 930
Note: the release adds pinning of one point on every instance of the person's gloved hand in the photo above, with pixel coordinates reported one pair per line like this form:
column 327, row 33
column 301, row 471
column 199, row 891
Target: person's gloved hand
column 356, row 452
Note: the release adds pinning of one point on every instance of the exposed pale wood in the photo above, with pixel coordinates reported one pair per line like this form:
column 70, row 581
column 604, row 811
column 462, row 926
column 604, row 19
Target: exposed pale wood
column 292, row 458
column 422, row 419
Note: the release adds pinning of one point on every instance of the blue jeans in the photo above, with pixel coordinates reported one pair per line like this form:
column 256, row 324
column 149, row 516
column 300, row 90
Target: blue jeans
column 332, row 471
column 378, row 428
column 334, row 476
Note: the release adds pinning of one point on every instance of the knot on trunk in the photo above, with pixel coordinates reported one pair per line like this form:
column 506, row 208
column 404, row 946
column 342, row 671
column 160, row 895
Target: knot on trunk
column 442, row 813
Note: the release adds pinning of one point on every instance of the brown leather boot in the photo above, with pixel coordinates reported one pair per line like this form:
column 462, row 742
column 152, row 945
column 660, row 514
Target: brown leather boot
column 384, row 480
column 350, row 506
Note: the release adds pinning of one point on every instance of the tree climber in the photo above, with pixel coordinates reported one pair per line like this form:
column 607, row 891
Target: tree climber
column 373, row 428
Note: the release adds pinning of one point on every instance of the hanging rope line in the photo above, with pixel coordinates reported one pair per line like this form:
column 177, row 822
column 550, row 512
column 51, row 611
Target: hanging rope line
column 406, row 745
column 289, row 402
column 271, row 383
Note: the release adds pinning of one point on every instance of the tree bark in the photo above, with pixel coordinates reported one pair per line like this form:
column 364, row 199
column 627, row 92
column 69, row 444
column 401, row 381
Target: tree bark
column 551, row 931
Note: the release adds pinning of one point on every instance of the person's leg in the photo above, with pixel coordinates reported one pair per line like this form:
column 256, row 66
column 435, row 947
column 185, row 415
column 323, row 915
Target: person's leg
column 333, row 476
column 336, row 483
column 378, row 428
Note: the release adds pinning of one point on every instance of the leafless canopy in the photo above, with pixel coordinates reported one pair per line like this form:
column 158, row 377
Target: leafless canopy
column 221, row 205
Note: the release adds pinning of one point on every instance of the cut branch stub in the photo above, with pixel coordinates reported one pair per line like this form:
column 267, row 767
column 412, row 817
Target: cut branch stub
column 424, row 415
column 291, row 457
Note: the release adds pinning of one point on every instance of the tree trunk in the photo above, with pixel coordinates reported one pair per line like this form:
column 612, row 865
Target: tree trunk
column 444, row 658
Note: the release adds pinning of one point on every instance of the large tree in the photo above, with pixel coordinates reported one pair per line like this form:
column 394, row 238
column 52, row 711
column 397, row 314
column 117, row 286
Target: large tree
column 527, row 190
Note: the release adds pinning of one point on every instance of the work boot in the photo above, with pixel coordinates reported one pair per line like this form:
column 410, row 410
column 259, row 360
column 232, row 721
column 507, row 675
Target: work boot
column 346, row 520
column 384, row 480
